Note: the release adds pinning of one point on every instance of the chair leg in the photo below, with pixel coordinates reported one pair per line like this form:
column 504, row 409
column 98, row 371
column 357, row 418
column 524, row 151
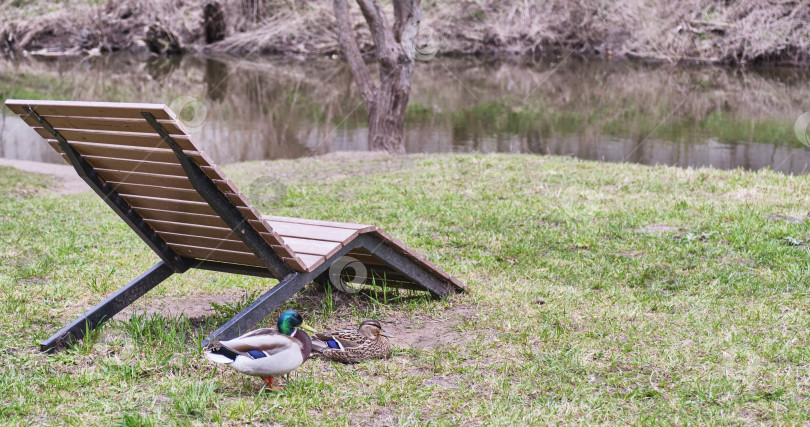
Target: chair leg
column 246, row 319
column 105, row 310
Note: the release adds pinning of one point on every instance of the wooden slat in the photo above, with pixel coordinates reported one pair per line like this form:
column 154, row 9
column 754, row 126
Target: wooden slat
column 273, row 239
column 234, row 257
column 132, row 165
column 180, row 182
column 131, row 153
column 90, row 109
column 262, row 227
column 192, row 229
column 201, row 208
column 389, row 274
column 155, row 168
column 220, row 233
column 203, row 242
column 359, row 227
column 175, row 170
column 282, row 251
column 119, row 138
column 286, row 229
column 210, row 221
column 156, row 192
column 181, row 217
column 294, row 263
column 127, row 166
column 312, row 247
column 365, row 257
column 223, row 183
column 310, row 261
column 106, row 124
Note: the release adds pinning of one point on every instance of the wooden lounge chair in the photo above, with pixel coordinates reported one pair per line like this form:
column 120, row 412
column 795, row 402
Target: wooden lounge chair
column 144, row 164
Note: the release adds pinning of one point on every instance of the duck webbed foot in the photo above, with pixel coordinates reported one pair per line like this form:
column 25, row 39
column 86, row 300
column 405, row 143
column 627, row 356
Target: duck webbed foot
column 269, row 382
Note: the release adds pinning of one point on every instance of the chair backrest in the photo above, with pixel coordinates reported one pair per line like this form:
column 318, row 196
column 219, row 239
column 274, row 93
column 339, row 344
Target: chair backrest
column 126, row 152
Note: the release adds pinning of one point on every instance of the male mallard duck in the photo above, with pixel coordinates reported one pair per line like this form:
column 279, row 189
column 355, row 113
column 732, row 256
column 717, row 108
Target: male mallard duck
column 351, row 345
column 264, row 352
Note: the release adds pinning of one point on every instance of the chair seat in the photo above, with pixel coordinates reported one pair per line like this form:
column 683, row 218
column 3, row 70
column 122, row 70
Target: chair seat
column 314, row 241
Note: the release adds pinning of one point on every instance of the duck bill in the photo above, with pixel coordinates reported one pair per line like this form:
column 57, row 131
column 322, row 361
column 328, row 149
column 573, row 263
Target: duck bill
column 308, row 328
column 386, row 334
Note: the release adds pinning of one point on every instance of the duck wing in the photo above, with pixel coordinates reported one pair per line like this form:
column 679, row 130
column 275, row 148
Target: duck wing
column 264, row 340
column 340, row 339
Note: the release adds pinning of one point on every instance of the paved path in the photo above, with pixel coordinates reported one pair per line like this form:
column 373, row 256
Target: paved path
column 69, row 181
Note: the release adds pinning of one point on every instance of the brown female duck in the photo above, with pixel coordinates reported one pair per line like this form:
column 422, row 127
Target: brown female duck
column 351, row 345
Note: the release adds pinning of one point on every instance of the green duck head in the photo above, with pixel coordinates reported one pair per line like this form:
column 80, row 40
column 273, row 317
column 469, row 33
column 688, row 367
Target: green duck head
column 290, row 320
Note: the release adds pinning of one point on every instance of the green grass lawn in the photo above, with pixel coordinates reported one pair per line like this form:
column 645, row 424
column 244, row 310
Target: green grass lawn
column 599, row 293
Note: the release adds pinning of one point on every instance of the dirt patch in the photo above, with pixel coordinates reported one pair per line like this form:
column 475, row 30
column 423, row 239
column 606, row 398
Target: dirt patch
column 657, row 228
column 409, row 330
column 195, row 307
column 430, row 332
column 68, row 182
column 382, row 417
column 444, row 381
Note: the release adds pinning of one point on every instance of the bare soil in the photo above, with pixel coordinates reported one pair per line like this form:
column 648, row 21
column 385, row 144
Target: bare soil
column 430, row 332
column 196, row 307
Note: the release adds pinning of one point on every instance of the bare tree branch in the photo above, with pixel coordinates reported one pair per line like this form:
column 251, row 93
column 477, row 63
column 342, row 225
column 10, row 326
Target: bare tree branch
column 380, row 31
column 374, row 16
column 406, row 12
column 408, row 16
column 348, row 42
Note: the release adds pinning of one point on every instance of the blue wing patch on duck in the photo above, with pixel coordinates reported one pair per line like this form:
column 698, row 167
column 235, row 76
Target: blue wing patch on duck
column 256, row 354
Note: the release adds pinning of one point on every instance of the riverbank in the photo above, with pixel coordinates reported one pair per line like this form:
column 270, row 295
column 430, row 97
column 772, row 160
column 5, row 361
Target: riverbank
column 270, row 108
column 599, row 294
column 695, row 32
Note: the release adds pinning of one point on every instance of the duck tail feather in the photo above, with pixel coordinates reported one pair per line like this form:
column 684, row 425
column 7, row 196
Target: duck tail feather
column 221, row 355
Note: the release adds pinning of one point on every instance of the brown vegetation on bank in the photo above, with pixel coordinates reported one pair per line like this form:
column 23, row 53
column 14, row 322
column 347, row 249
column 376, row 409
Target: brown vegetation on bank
column 695, row 31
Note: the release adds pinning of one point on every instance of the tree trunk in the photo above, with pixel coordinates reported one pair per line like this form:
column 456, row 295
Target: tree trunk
column 214, row 22
column 386, row 116
column 387, row 101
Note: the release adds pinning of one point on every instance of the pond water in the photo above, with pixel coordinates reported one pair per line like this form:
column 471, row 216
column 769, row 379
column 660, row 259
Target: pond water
column 269, row 108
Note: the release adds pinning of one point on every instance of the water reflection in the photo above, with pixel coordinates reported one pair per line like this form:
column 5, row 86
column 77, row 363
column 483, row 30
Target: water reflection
column 612, row 111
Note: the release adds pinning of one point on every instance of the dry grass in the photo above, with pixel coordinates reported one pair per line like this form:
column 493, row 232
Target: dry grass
column 87, row 27
column 701, row 31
